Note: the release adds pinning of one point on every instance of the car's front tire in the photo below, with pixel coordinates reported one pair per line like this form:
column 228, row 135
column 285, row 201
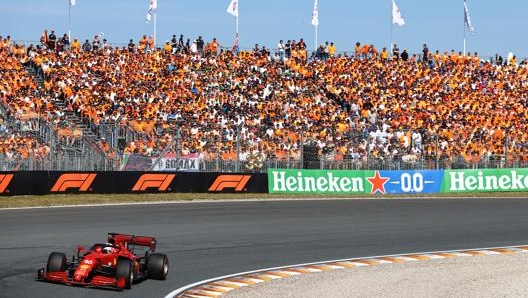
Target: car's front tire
column 157, row 266
column 124, row 270
column 56, row 262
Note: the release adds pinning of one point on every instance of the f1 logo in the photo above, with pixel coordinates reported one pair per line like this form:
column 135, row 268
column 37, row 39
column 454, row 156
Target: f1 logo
column 238, row 182
column 5, row 179
column 82, row 181
column 160, row 181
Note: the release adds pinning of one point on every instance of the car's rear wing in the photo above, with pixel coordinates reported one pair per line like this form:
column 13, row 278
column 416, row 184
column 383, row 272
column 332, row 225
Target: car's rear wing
column 126, row 240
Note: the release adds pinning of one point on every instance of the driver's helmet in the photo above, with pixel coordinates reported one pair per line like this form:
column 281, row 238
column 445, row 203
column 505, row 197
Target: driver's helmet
column 108, row 249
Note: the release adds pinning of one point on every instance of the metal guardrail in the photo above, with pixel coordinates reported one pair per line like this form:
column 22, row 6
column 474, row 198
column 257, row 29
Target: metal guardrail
column 71, row 161
column 83, row 155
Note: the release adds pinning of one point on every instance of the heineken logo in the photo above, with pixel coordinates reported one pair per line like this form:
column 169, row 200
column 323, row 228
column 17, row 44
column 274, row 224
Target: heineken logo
column 481, row 180
column 327, row 182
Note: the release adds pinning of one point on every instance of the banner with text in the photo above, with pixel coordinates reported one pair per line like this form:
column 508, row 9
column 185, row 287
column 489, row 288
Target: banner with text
column 353, row 182
column 485, row 180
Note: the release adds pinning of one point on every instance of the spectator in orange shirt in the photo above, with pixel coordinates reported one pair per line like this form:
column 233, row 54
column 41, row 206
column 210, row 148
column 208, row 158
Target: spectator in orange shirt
column 75, row 46
column 214, row 47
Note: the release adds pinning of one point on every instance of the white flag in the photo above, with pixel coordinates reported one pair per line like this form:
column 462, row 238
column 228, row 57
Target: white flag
column 315, row 15
column 232, row 9
column 72, row 2
column 467, row 20
column 152, row 6
column 396, row 15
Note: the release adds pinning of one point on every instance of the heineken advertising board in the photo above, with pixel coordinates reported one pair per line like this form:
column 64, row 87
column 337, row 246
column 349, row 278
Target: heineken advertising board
column 485, row 180
column 353, row 182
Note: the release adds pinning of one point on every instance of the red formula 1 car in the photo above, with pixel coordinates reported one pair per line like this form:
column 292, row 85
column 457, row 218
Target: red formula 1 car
column 118, row 263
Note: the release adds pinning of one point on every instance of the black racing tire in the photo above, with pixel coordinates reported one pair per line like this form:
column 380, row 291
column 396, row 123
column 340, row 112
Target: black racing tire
column 157, row 266
column 124, row 269
column 56, row 262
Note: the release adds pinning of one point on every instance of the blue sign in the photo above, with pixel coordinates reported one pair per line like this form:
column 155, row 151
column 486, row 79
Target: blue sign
column 413, row 182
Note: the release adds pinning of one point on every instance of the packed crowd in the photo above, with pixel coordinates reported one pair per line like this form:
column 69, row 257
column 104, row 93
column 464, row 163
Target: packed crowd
column 24, row 105
column 218, row 102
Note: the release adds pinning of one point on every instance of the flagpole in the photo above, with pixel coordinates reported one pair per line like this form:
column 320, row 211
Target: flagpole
column 464, row 47
column 315, row 23
column 396, row 19
column 316, row 27
column 155, row 26
column 69, row 19
column 316, row 43
column 232, row 9
column 391, row 31
column 237, row 41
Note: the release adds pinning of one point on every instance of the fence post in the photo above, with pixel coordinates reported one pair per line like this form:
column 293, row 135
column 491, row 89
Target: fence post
column 437, row 165
column 237, row 162
column 506, row 149
column 301, row 141
column 178, row 142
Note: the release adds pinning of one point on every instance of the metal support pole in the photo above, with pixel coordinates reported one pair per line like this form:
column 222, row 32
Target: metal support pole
column 301, row 141
column 507, row 146
column 436, row 153
column 237, row 163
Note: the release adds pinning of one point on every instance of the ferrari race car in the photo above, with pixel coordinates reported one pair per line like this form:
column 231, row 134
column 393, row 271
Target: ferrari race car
column 118, row 263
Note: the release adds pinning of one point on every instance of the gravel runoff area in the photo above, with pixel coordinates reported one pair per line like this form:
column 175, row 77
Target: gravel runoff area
column 465, row 277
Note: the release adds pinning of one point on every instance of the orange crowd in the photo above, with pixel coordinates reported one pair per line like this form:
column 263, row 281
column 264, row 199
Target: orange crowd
column 370, row 103
column 19, row 97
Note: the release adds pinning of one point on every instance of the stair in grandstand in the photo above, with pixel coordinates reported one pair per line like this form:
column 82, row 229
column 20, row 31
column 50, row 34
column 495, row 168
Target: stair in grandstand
column 38, row 79
column 70, row 116
column 87, row 148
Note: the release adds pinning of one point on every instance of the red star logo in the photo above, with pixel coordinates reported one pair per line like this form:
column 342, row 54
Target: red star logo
column 378, row 183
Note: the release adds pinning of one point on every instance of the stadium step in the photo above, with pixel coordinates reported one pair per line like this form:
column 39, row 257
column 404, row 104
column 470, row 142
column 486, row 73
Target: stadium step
column 37, row 78
column 69, row 116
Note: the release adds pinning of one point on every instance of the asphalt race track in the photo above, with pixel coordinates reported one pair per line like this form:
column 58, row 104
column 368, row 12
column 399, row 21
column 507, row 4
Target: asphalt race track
column 205, row 240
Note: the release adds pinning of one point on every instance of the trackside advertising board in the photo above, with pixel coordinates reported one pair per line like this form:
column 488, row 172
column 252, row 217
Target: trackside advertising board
column 296, row 181
column 485, row 180
column 131, row 182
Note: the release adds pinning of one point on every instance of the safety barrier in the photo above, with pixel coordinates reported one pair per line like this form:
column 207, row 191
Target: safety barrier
column 279, row 181
column 397, row 182
column 55, row 182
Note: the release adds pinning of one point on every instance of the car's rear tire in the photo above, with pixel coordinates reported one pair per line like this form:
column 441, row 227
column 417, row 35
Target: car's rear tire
column 157, row 266
column 56, row 262
column 124, row 270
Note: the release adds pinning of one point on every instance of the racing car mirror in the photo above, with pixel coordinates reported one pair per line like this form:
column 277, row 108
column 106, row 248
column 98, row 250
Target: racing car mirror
column 80, row 249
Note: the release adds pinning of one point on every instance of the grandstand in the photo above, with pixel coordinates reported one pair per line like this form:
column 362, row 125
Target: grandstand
column 67, row 107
